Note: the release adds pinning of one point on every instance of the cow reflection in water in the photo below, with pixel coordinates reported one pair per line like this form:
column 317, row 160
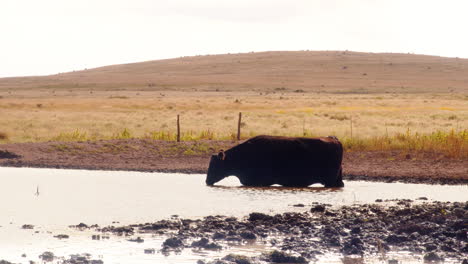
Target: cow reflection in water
column 287, row 161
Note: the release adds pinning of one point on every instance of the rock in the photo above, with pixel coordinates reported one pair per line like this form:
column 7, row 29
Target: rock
column 204, row 243
column 82, row 259
column 248, row 235
column 432, row 257
column 259, row 216
column 173, row 242
column 82, row 225
column 238, row 259
column 459, row 212
column 149, row 251
column 27, row 226
column 298, row 205
column 282, row 257
column 378, row 200
column 392, row 261
column 396, row 239
column 356, row 230
column 96, row 237
column 62, row 236
column 137, row 240
column 47, row 256
column 430, row 246
column 5, row 262
column 219, row 235
column 320, row 208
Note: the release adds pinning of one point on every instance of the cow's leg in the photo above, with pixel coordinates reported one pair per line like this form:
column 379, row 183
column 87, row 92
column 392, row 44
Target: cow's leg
column 334, row 178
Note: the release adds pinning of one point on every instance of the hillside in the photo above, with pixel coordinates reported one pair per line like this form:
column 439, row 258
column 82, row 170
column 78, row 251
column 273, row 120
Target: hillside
column 309, row 71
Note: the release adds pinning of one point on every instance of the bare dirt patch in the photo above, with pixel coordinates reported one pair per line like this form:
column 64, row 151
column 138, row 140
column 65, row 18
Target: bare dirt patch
column 193, row 157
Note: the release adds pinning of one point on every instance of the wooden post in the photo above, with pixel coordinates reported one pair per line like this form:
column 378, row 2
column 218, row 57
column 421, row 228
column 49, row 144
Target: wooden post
column 178, row 129
column 239, row 126
column 303, row 127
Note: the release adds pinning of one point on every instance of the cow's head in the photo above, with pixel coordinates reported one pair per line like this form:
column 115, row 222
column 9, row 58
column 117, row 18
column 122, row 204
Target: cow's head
column 217, row 169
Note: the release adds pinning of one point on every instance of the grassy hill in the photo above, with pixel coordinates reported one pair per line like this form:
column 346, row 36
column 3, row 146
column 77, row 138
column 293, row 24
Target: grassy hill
column 308, row 71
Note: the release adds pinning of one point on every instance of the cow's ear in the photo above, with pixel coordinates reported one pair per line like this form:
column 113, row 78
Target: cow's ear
column 221, row 155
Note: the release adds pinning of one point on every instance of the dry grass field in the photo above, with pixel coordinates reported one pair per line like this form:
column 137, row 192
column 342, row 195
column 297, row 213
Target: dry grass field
column 367, row 100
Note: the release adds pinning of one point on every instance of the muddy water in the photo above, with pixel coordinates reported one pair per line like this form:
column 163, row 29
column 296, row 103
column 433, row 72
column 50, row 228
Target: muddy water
column 53, row 199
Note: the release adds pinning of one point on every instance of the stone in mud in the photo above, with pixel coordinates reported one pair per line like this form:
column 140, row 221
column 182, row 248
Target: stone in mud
column 238, row 259
column 459, row 212
column 282, row 257
column 47, row 256
column 259, row 216
column 248, row 235
column 353, row 247
column 173, row 242
column 432, row 257
column 137, row 240
column 96, row 237
column 149, row 251
column 320, row 208
column 298, row 205
column 25, row 226
column 204, row 243
column 82, row 225
column 219, row 235
column 356, row 230
column 5, row 262
column 430, row 246
column 82, row 259
column 420, row 228
column 396, row 239
column 461, row 235
column 62, row 236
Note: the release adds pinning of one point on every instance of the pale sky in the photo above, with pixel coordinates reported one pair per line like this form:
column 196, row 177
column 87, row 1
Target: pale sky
column 52, row 36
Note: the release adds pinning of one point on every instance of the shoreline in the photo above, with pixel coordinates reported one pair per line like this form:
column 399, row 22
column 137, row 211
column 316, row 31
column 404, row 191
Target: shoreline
column 192, row 157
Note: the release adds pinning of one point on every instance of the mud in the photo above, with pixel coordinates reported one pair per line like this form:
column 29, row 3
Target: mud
column 193, row 157
column 435, row 231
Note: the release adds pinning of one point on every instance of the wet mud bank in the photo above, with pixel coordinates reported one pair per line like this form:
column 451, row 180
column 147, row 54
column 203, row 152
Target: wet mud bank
column 193, row 157
column 435, row 231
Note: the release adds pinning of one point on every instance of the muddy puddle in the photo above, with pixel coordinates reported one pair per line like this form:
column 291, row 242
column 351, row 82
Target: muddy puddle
column 50, row 200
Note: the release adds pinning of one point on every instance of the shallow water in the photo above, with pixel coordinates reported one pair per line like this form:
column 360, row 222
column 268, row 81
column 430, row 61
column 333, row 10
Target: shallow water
column 67, row 197
column 101, row 197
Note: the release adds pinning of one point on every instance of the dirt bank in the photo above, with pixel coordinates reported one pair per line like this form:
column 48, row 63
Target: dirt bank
column 193, row 157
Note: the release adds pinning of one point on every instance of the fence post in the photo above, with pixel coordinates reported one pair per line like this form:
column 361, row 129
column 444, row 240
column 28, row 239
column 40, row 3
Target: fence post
column 239, row 126
column 178, row 129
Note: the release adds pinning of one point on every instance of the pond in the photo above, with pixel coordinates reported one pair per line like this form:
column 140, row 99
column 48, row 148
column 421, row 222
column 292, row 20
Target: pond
column 51, row 200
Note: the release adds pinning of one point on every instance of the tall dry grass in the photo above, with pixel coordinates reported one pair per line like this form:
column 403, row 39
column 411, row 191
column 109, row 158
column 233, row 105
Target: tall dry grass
column 382, row 122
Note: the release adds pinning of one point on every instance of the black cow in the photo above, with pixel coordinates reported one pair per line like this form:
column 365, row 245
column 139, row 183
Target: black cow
column 288, row 161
